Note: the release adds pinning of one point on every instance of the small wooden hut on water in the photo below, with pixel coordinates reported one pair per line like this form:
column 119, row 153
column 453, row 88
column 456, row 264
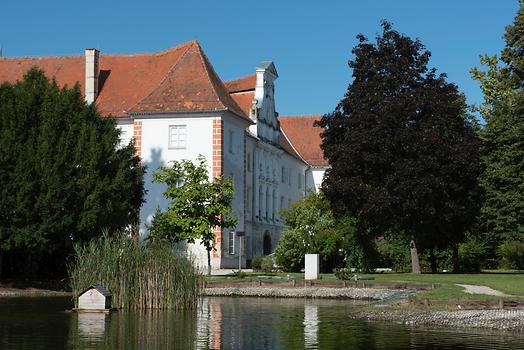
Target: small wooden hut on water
column 95, row 298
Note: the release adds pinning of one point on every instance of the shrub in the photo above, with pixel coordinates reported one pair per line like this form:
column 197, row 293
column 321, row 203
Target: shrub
column 256, row 263
column 511, row 253
column 290, row 251
column 394, row 253
column 343, row 274
column 268, row 264
column 472, row 254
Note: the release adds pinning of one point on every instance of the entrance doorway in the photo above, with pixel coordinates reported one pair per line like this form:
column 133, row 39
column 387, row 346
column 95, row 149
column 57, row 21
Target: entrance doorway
column 267, row 243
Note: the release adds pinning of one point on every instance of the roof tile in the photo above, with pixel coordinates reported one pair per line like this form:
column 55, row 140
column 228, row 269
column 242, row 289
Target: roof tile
column 304, row 137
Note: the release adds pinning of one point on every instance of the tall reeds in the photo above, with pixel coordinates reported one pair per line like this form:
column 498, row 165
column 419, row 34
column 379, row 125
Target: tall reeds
column 140, row 276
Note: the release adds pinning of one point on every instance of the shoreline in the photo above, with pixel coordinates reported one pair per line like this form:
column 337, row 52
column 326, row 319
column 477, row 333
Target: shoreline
column 31, row 292
column 507, row 320
column 304, row 292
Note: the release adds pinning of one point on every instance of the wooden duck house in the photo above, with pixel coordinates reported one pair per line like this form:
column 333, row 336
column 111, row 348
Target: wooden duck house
column 95, row 298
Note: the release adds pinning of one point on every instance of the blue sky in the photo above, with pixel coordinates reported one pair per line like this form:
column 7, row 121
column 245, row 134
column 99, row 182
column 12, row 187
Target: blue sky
column 309, row 41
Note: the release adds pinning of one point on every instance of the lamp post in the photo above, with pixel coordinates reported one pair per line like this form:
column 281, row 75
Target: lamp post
column 240, row 234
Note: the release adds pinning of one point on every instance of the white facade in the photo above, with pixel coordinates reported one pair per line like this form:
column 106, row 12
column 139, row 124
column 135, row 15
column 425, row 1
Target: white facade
column 266, row 178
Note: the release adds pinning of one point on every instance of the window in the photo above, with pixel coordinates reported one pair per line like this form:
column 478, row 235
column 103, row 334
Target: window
column 284, row 175
column 282, row 202
column 267, row 204
column 249, row 162
column 249, row 203
column 273, row 204
column 177, row 136
column 289, row 176
column 231, row 243
column 231, row 138
column 260, row 201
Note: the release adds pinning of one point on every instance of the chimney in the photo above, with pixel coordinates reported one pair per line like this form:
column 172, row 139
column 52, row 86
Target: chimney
column 92, row 72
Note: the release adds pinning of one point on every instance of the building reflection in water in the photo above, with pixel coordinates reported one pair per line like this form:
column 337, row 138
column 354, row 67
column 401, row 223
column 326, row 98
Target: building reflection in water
column 310, row 326
column 91, row 326
column 209, row 325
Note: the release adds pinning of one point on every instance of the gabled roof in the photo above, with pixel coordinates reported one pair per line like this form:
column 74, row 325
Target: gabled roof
column 191, row 84
column 269, row 66
column 304, row 137
column 178, row 79
column 99, row 288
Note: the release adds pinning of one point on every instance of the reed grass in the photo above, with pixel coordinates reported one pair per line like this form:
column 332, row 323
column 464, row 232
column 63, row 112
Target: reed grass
column 139, row 275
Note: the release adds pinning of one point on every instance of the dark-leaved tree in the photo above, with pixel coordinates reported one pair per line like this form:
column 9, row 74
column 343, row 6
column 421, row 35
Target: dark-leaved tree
column 63, row 176
column 404, row 156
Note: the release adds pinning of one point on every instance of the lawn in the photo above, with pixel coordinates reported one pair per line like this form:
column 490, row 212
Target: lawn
column 505, row 281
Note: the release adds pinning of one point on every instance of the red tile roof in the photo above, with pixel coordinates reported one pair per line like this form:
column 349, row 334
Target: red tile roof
column 243, row 91
column 304, row 137
column 178, row 79
column 286, row 146
column 244, row 100
column 242, row 84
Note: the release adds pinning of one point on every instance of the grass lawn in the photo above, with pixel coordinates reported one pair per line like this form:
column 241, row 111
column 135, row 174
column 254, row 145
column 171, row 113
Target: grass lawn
column 509, row 282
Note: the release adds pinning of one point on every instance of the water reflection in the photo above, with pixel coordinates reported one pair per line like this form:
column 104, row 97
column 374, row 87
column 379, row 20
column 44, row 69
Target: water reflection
column 311, row 326
column 226, row 323
column 91, row 326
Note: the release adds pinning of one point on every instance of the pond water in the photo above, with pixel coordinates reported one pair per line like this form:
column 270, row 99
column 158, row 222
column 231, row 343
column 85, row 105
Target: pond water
column 226, row 323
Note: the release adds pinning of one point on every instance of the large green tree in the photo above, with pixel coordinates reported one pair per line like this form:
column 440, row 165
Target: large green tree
column 404, row 157
column 63, row 175
column 502, row 213
column 196, row 206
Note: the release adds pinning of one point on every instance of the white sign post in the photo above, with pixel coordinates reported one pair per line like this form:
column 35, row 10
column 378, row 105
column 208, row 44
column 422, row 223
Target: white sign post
column 312, row 267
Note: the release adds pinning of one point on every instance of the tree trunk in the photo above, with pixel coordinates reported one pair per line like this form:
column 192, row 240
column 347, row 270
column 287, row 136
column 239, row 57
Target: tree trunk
column 433, row 260
column 415, row 264
column 208, row 261
column 1, row 256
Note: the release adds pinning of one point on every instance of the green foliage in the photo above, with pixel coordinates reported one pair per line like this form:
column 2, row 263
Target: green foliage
column 511, row 253
column 268, row 264
column 502, row 212
column 358, row 250
column 63, row 175
column 343, row 274
column 290, row 251
column 310, row 229
column 197, row 204
column 256, row 263
column 394, row 252
column 139, row 276
column 472, row 254
column 404, row 156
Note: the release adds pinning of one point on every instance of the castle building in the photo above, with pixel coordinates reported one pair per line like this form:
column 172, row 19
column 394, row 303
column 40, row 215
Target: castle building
column 174, row 106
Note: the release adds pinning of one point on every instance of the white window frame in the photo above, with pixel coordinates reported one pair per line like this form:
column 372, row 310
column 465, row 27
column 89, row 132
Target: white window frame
column 179, row 143
column 231, row 243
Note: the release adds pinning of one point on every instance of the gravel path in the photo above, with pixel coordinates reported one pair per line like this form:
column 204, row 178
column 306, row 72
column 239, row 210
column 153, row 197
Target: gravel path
column 309, row 292
column 512, row 320
column 472, row 289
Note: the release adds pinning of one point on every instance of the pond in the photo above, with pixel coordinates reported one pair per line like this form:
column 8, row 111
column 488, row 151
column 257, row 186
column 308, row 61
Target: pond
column 226, row 323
